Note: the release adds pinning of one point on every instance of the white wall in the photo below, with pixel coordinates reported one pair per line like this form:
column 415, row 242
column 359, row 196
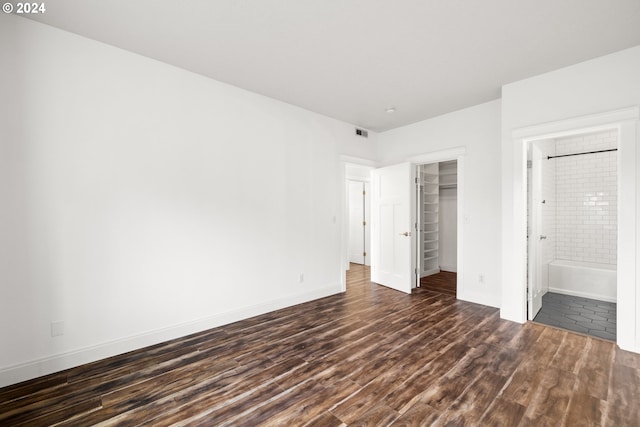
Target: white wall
column 601, row 85
column 587, row 198
column 478, row 129
column 359, row 173
column 141, row 202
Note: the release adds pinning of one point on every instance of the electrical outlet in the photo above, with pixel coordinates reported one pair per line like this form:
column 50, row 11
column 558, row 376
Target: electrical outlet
column 481, row 278
column 301, row 277
column 57, row 329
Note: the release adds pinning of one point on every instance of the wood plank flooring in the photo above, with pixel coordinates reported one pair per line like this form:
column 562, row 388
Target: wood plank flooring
column 371, row 356
column 443, row 282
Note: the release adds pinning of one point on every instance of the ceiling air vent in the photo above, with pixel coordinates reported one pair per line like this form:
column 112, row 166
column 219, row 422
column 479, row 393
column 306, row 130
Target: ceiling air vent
column 361, row 132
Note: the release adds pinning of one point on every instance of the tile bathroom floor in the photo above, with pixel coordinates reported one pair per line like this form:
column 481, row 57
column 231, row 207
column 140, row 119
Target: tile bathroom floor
column 588, row 316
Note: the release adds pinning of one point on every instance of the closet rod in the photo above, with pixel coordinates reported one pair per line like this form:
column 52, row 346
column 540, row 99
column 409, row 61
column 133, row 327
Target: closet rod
column 580, row 154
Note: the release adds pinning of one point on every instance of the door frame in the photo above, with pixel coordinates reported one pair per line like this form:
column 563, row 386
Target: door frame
column 344, row 178
column 534, row 251
column 365, row 190
column 457, row 154
column 627, row 123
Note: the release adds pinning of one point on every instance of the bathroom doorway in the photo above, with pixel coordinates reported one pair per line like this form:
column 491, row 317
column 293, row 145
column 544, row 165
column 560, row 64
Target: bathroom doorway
column 572, row 198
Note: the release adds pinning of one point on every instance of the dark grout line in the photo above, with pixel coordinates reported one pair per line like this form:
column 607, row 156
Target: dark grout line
column 574, row 314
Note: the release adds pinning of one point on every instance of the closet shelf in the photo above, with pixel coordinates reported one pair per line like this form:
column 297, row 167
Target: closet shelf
column 429, row 202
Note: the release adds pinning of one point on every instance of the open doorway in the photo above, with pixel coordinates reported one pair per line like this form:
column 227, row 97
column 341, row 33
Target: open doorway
column 572, row 231
column 394, row 220
column 359, row 222
column 438, row 226
column 356, row 236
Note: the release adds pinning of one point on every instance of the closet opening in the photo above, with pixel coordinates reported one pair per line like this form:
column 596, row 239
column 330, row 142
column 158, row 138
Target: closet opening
column 437, row 204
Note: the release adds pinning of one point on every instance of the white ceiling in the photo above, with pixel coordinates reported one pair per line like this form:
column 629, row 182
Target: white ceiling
column 350, row 59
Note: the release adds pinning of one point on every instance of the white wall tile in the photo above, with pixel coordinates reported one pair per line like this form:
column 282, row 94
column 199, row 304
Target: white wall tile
column 586, row 198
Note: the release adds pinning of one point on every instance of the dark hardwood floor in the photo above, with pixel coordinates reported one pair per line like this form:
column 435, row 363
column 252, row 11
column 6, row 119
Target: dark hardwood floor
column 444, row 282
column 372, row 356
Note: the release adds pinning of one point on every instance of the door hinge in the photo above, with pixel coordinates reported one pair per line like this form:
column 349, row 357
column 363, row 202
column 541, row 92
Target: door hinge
column 415, row 180
column 364, row 254
column 364, row 193
column 364, row 223
column 415, row 225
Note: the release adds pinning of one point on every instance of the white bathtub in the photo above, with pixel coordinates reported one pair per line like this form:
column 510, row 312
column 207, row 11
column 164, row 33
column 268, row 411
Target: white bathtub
column 588, row 280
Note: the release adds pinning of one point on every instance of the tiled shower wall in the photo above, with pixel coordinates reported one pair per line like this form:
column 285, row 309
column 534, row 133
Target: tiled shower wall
column 587, row 198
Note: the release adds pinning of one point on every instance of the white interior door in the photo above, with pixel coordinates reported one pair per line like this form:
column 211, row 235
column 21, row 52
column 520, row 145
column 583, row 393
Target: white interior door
column 537, row 240
column 356, row 222
column 393, row 215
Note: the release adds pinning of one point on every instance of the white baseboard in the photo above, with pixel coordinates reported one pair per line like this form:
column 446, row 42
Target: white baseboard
column 59, row 362
column 635, row 349
column 429, row 272
column 477, row 298
column 450, row 268
column 582, row 294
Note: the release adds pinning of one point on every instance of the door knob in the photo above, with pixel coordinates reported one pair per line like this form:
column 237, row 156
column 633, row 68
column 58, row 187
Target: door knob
column 406, row 234
column 543, row 237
